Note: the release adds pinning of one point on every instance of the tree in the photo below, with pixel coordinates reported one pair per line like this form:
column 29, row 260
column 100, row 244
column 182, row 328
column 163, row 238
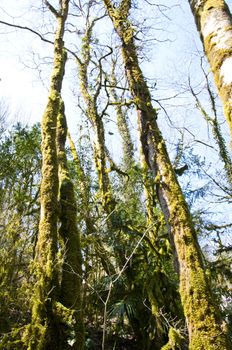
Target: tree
column 212, row 119
column 20, row 160
column 203, row 322
column 103, row 210
column 214, row 21
column 47, row 311
column 71, row 274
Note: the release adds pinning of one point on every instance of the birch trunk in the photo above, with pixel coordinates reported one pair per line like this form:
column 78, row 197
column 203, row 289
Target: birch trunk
column 214, row 23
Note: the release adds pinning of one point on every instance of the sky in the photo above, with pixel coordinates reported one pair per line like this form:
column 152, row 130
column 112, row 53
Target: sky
column 19, row 86
column 22, row 86
column 169, row 59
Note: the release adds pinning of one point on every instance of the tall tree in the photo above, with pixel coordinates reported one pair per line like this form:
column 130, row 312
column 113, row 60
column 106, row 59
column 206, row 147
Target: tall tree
column 200, row 311
column 19, row 212
column 154, row 217
column 122, row 122
column 94, row 116
column 70, row 290
column 214, row 23
column 115, row 224
column 43, row 332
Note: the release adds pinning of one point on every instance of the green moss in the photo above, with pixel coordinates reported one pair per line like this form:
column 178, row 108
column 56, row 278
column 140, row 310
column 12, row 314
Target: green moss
column 63, row 313
column 175, row 340
column 209, row 4
column 216, row 56
column 194, row 288
column 95, row 119
column 69, row 310
column 41, row 333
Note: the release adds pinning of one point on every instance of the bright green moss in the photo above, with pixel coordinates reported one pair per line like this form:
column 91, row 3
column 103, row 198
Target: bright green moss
column 34, row 336
column 175, row 340
column 194, row 289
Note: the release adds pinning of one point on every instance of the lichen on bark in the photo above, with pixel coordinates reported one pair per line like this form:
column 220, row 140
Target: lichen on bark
column 122, row 123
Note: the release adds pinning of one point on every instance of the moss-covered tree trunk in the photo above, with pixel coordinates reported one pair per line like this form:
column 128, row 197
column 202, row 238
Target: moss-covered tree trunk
column 89, row 220
column 43, row 333
column 70, row 291
column 214, row 23
column 202, row 315
column 122, row 124
column 155, row 295
column 84, row 183
column 96, row 121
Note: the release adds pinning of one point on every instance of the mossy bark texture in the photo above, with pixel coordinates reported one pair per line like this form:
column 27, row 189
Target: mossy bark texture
column 70, row 291
column 96, row 121
column 42, row 334
column 175, row 341
column 155, row 295
column 214, row 23
column 201, row 314
column 84, row 183
column 122, row 124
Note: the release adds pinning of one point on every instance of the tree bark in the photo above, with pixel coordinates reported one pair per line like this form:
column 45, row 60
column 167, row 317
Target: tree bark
column 96, row 121
column 43, row 332
column 70, row 291
column 122, row 124
column 214, row 23
column 202, row 315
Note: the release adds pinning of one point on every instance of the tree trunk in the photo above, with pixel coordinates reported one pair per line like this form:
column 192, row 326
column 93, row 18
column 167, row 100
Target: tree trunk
column 96, row 121
column 200, row 311
column 70, row 293
column 43, row 333
column 122, row 124
column 214, row 23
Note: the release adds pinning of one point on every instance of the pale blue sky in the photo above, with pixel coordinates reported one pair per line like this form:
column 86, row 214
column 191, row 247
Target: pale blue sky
column 22, row 87
column 169, row 63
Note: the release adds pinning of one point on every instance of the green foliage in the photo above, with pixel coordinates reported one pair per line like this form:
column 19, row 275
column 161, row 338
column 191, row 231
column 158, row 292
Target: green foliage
column 20, row 163
column 130, row 287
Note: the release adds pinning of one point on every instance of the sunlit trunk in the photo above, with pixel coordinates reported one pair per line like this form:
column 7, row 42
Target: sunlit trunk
column 200, row 311
column 96, row 122
column 122, row 124
column 214, row 23
column 43, row 332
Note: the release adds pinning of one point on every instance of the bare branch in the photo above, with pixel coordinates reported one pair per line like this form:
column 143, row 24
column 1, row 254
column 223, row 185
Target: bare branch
column 52, row 9
column 17, row 26
column 28, row 29
column 100, row 73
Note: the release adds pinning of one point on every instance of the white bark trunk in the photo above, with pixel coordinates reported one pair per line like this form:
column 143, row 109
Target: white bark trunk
column 214, row 23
